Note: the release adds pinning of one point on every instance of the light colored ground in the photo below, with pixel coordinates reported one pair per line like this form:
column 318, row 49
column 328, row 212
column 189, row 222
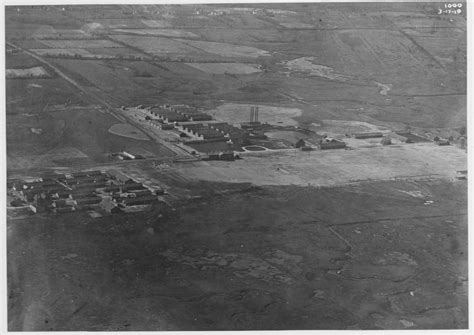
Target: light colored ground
column 156, row 23
column 333, row 167
column 30, row 161
column 296, row 25
column 56, row 52
column 50, row 32
column 308, row 65
column 291, row 136
column 127, row 130
column 156, row 45
column 158, row 32
column 221, row 68
column 346, row 127
column 79, row 44
column 36, row 71
column 226, row 49
column 238, row 113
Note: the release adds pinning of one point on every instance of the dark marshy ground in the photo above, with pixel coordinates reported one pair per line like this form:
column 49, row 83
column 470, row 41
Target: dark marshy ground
column 282, row 257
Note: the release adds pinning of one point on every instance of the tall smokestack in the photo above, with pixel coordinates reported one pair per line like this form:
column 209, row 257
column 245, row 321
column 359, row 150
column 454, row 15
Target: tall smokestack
column 256, row 114
column 252, row 114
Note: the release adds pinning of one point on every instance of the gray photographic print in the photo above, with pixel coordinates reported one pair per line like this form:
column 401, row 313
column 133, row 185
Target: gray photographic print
column 236, row 166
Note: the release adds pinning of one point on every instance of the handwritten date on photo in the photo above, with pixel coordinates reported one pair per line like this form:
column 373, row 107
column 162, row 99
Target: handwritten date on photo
column 450, row 8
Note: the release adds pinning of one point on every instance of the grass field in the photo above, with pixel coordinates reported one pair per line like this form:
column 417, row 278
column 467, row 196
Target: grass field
column 156, row 23
column 80, row 44
column 221, row 68
column 117, row 52
column 158, row 32
column 60, row 52
column 226, row 49
column 32, row 72
column 254, row 258
column 372, row 237
column 20, row 61
column 157, row 45
column 50, row 32
column 85, row 132
column 306, row 64
column 126, row 130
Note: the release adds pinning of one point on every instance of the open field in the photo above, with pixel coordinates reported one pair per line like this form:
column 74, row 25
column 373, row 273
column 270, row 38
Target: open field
column 85, row 131
column 370, row 237
column 31, row 96
column 243, row 261
column 156, row 45
column 49, row 32
column 127, row 130
column 158, row 32
column 346, row 127
column 290, row 136
column 226, row 49
column 61, row 52
column 156, row 23
column 80, row 44
column 117, row 52
column 20, row 61
column 221, row 68
column 306, row 64
column 325, row 168
column 34, row 72
column 238, row 113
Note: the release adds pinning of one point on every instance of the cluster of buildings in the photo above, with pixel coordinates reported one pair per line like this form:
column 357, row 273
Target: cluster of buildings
column 328, row 143
column 214, row 139
column 367, row 135
column 202, row 131
column 179, row 113
column 125, row 155
column 84, row 190
column 218, row 139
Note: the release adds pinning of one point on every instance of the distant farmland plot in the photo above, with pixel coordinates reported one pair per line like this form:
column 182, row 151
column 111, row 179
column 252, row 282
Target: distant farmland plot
column 20, row 61
column 100, row 74
column 157, row 45
column 31, row 44
column 247, row 21
column 122, row 23
column 420, row 21
column 226, row 49
column 222, row 68
column 34, row 72
column 58, row 52
column 80, row 44
column 158, row 32
column 156, row 23
column 296, row 25
column 126, row 52
column 60, row 33
column 230, row 35
column 442, row 46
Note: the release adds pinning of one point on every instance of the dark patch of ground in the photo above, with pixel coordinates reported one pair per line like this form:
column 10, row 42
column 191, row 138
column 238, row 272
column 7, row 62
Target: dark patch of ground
column 259, row 258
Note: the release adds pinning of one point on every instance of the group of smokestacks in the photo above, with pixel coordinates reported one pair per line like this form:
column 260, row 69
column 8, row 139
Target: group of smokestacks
column 253, row 114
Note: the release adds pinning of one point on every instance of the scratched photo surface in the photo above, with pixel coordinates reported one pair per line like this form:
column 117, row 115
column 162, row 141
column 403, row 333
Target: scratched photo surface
column 250, row 166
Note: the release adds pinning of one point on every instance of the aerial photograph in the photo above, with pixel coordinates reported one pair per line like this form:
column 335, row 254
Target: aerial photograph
column 236, row 166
